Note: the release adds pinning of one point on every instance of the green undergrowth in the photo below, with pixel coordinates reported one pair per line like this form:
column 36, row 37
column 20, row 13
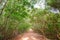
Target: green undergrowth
column 47, row 24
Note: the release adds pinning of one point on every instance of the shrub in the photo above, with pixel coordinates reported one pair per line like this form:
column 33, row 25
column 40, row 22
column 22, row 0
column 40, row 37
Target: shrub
column 48, row 25
column 12, row 20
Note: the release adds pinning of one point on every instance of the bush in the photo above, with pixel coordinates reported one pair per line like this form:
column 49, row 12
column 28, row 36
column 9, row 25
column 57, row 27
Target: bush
column 48, row 25
column 12, row 20
column 11, row 28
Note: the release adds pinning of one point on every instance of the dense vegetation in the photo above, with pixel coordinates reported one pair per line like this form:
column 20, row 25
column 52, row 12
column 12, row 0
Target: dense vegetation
column 12, row 21
column 47, row 23
column 17, row 16
column 54, row 3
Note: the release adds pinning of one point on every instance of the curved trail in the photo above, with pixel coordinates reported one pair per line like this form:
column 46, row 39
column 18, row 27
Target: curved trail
column 30, row 35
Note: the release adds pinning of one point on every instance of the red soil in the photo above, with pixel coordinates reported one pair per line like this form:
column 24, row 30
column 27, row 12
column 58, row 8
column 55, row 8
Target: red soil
column 30, row 35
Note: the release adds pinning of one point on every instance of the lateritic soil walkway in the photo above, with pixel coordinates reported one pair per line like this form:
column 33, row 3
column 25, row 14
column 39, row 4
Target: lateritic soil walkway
column 30, row 35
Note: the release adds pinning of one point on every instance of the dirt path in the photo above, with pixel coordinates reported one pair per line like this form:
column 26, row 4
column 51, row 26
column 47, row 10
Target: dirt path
column 30, row 35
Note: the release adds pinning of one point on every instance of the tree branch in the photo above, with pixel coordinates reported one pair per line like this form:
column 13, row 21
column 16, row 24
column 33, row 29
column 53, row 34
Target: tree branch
column 4, row 4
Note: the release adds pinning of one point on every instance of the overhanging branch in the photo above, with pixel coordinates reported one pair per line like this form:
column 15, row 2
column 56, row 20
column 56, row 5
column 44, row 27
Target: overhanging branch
column 3, row 2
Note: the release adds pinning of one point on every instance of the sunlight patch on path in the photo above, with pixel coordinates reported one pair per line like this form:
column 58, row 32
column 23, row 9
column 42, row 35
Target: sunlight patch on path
column 29, row 38
column 26, row 38
column 33, row 38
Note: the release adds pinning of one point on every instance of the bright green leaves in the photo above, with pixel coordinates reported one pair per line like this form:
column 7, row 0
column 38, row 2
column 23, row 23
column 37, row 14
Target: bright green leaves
column 12, row 21
column 16, row 10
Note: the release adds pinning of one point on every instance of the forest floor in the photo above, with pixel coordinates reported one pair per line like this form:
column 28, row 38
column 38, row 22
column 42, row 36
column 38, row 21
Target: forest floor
column 31, row 35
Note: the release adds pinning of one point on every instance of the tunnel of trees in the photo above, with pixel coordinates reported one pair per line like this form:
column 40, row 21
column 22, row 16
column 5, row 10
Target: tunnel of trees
column 17, row 16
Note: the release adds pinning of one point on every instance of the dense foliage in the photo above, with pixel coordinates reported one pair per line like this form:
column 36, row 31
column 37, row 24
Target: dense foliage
column 12, row 20
column 47, row 23
column 17, row 16
column 54, row 3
